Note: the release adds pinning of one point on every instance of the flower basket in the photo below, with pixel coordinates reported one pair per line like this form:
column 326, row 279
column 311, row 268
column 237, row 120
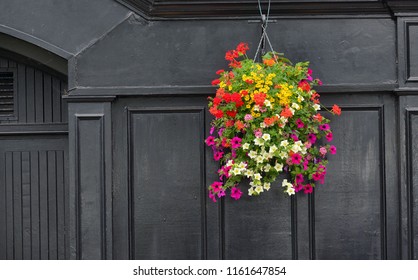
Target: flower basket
column 267, row 121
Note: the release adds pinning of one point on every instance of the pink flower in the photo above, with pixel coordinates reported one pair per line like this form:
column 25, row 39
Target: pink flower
column 329, row 136
column 299, row 178
column 248, row 117
column 236, row 142
column 308, row 189
column 300, row 123
column 308, row 145
column 333, row 150
column 216, row 186
column 296, row 158
column 312, row 138
column 258, row 133
column 218, row 155
column 236, row 193
column 210, row 141
column 323, row 151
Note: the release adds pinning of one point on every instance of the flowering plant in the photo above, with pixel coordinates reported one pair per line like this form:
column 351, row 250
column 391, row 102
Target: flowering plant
column 267, row 122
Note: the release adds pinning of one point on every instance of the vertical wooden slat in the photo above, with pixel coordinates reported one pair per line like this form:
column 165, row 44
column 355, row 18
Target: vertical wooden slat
column 17, row 201
column 60, row 204
column 26, row 207
column 47, row 98
column 9, row 206
column 3, row 209
column 52, row 204
column 30, row 95
column 21, row 92
column 39, row 97
column 56, row 100
column 43, row 205
column 12, row 64
column 64, row 104
column 4, row 62
column 34, row 190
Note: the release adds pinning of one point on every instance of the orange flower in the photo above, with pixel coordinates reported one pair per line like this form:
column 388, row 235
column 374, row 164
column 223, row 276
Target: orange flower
column 286, row 112
column 336, row 110
column 269, row 62
column 239, row 125
column 315, row 97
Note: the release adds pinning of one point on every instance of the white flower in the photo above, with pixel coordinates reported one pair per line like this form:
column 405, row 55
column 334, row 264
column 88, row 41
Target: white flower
column 283, row 155
column 259, row 189
column 259, row 142
column 278, row 167
column 286, row 184
column 267, row 103
column 266, row 136
column 296, row 148
column 300, row 98
column 284, row 143
column 245, row 146
column 257, row 176
column 283, row 120
column 295, row 106
column 267, row 167
column 292, row 110
column 267, row 186
column 236, row 171
column 249, row 173
column 229, row 163
column 256, row 108
column 290, row 191
column 252, row 154
column 316, row 107
column 273, row 149
column 262, row 125
column 259, row 159
column 242, row 165
column 250, row 191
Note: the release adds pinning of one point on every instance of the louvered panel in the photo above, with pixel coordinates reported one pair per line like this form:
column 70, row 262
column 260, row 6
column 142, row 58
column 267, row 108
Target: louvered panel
column 7, row 93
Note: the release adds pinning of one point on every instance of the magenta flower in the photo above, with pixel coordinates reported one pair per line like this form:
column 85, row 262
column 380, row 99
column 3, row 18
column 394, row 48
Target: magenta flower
column 236, row 142
column 212, row 129
column 296, row 158
column 329, row 136
column 218, row 155
column 210, row 141
column 216, row 186
column 221, row 193
column 312, row 138
column 305, row 164
column 333, row 150
column 298, row 187
column 236, row 193
column 323, row 151
column 212, row 196
column 308, row 188
column 316, row 176
column 294, row 137
column 324, row 126
column 248, row 117
column 299, row 178
column 300, row 123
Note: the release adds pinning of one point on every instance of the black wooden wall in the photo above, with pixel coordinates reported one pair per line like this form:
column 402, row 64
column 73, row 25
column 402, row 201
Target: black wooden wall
column 138, row 169
column 33, row 162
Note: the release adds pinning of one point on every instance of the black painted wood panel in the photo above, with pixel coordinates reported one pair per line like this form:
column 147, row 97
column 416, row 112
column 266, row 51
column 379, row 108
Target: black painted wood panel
column 32, row 185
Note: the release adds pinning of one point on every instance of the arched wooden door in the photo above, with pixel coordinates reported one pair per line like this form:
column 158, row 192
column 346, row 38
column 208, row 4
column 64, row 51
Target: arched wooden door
column 33, row 160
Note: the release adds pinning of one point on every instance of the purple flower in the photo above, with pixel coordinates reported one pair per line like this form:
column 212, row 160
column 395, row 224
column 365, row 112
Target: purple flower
column 218, row 155
column 333, row 150
column 329, row 136
column 312, row 138
column 300, row 123
column 210, row 141
column 236, row 142
column 236, row 193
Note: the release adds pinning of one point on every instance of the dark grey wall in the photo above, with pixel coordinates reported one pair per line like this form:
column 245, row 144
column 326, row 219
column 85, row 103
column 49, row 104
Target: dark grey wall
column 137, row 99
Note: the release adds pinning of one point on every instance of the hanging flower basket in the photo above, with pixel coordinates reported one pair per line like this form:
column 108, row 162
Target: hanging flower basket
column 266, row 122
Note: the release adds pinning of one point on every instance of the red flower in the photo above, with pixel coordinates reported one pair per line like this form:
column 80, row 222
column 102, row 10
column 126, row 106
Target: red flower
column 216, row 112
column 242, row 48
column 259, row 98
column 304, row 85
column 229, row 123
column 215, row 82
column 232, row 114
column 249, row 81
column 236, row 97
column 227, row 98
column 318, row 117
column 235, row 64
column 217, row 101
column 219, row 72
column 336, row 110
